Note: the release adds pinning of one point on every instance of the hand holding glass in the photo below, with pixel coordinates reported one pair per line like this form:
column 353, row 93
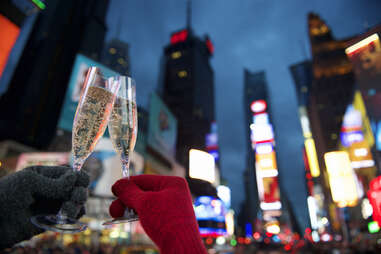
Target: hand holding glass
column 90, row 121
column 123, row 128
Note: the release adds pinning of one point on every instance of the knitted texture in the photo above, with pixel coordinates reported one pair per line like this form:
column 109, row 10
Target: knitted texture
column 38, row 190
column 165, row 210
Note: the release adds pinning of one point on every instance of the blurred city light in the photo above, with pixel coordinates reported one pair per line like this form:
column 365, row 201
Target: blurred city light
column 362, row 43
column 309, row 144
column 201, row 165
column 373, row 227
column 341, row 178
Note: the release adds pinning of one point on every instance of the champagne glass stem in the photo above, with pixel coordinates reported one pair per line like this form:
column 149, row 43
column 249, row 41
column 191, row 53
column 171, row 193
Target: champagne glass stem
column 125, row 165
column 77, row 164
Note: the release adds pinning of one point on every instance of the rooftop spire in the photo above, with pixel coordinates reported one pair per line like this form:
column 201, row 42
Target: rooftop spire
column 119, row 26
column 189, row 13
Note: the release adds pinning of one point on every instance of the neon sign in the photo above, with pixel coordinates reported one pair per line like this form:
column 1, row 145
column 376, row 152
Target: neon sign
column 258, row 106
column 210, row 46
column 180, row 36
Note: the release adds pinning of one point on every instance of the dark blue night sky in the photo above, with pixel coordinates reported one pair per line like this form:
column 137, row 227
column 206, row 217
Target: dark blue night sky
column 259, row 35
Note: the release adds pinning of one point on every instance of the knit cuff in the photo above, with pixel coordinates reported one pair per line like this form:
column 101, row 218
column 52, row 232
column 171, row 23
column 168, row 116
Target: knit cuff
column 184, row 239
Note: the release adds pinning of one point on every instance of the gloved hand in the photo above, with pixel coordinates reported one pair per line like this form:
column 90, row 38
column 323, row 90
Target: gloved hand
column 165, row 210
column 38, row 190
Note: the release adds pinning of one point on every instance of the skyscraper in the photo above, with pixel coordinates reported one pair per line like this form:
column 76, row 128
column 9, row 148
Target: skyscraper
column 187, row 87
column 331, row 92
column 267, row 192
column 31, row 106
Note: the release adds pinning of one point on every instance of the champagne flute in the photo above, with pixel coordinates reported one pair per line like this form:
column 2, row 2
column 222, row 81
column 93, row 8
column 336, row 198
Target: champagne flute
column 123, row 128
column 90, row 121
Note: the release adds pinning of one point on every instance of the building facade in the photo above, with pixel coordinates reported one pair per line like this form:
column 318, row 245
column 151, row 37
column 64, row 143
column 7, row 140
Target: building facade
column 31, row 105
column 187, row 87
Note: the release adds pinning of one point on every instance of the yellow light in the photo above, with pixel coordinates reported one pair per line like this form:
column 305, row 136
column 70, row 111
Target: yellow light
column 114, row 234
column 341, row 178
column 120, row 60
column 266, row 161
column 176, row 54
column 201, row 165
column 273, row 228
column 362, row 43
column 112, row 51
column 229, row 222
column 182, row 74
column 312, row 157
column 358, row 104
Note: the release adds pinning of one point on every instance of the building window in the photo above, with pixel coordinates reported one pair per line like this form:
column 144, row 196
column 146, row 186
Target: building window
column 176, row 54
column 112, row 51
column 182, row 74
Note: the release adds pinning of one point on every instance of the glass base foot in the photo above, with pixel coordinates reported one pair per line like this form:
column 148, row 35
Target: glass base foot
column 121, row 220
column 58, row 224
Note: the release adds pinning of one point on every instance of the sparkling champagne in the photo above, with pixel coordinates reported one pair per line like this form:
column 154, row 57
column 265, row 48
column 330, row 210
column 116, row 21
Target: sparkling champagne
column 123, row 126
column 90, row 121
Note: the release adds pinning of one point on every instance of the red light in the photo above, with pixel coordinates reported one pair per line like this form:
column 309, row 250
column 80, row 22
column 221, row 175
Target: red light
column 8, row 34
column 256, row 235
column 247, row 240
column 287, row 247
column 258, row 106
column 210, row 46
column 209, row 241
column 267, row 241
column 179, row 36
column 308, row 230
column 241, row 240
column 375, row 184
column 268, row 234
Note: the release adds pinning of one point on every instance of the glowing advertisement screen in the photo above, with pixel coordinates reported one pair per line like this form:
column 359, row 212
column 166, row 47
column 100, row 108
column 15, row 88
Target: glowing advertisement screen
column 162, row 128
column 365, row 56
column 341, row 178
column 8, row 34
column 210, row 213
column 73, row 93
column 262, row 138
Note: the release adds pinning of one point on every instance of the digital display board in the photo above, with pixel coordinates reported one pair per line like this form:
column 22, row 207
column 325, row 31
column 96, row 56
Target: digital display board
column 73, row 93
column 341, row 178
column 210, row 214
column 162, row 128
column 262, row 138
column 365, row 56
column 8, row 34
column 201, row 165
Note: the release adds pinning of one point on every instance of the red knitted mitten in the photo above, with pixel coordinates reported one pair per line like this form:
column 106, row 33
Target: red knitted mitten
column 165, row 210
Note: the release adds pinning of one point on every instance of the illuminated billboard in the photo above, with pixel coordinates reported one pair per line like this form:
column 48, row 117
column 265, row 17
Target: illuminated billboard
column 341, row 178
column 266, row 164
column 211, row 142
column 8, row 34
column 210, row 213
column 201, row 165
column 268, row 190
column 73, row 93
column 162, row 128
column 313, row 162
column 374, row 196
column 365, row 56
column 43, row 159
column 357, row 136
column 262, row 138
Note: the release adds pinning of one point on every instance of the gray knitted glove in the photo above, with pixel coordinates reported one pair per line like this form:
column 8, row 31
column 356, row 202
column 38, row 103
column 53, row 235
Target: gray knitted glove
column 38, row 190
